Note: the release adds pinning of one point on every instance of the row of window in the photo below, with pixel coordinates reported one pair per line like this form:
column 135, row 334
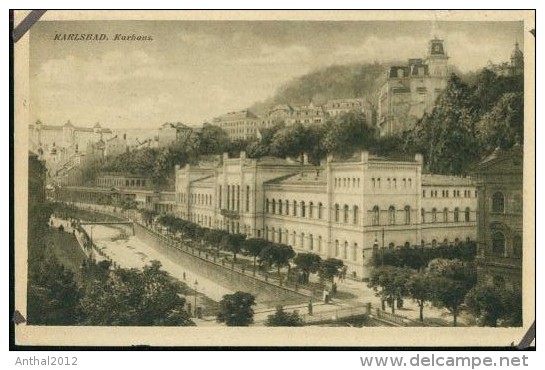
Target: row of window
column 199, row 199
column 121, row 182
column 346, row 182
column 392, row 183
column 233, row 198
column 445, row 193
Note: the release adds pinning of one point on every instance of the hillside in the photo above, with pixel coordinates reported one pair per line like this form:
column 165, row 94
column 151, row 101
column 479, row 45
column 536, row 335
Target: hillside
column 333, row 82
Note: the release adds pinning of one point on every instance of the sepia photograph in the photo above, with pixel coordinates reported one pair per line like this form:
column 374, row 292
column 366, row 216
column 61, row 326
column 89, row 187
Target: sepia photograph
column 350, row 178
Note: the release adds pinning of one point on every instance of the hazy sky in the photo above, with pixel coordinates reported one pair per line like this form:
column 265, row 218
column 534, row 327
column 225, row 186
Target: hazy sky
column 194, row 70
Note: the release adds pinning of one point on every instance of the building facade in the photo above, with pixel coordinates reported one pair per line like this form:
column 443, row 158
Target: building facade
column 499, row 179
column 341, row 209
column 411, row 90
column 238, row 125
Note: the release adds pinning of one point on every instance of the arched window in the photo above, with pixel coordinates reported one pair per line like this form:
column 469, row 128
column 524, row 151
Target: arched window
column 407, row 215
column 279, row 207
column 266, row 232
column 376, row 215
column 273, row 232
column 336, row 213
column 392, row 215
column 345, row 214
column 320, row 207
column 345, row 250
column 273, row 206
column 498, row 243
column 310, row 242
column 267, row 205
column 467, row 214
column 295, row 208
column 336, row 248
column 319, row 244
column 303, row 209
column 498, row 202
column 355, row 252
column 445, row 214
column 517, row 246
column 302, row 245
column 434, row 215
column 287, row 207
column 423, row 215
column 311, row 210
column 434, row 243
column 456, row 214
column 356, row 215
column 391, row 245
column 294, row 238
column 280, row 235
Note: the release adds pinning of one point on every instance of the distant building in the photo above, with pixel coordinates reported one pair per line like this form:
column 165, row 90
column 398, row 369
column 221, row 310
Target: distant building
column 115, row 145
column 515, row 66
column 306, row 114
column 341, row 209
column 499, row 180
column 169, row 133
column 68, row 137
column 411, row 90
column 336, row 107
column 238, row 125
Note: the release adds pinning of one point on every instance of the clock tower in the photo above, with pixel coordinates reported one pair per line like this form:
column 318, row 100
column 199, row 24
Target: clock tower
column 437, row 58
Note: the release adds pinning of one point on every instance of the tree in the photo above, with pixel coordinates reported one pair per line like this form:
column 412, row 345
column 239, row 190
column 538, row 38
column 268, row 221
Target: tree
column 389, row 283
column 233, row 243
column 136, row 298
column 447, row 137
column 283, row 318
column 254, row 246
column 330, row 268
column 453, row 279
column 493, row 305
column 53, row 295
column 309, row 263
column 347, row 133
column 486, row 303
column 212, row 140
column 277, row 255
column 214, row 237
column 503, row 126
column 419, row 288
column 236, row 309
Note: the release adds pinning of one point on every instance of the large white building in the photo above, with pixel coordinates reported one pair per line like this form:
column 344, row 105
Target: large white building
column 341, row 209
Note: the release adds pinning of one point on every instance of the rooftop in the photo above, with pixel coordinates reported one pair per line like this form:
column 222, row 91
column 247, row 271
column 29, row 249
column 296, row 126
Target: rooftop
column 442, row 180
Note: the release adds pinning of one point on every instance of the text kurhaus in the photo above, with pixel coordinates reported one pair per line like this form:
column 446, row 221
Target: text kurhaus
column 100, row 37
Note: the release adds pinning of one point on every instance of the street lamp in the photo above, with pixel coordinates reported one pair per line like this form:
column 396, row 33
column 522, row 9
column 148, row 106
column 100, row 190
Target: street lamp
column 196, row 284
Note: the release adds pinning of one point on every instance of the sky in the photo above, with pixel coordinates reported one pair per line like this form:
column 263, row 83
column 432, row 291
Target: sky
column 193, row 71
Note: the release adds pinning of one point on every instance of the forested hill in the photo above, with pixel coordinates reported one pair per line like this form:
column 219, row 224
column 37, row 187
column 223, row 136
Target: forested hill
column 333, row 82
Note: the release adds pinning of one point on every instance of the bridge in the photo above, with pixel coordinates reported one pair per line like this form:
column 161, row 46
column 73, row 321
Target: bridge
column 91, row 224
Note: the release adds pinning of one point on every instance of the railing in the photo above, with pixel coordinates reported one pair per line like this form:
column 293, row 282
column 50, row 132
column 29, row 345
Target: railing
column 335, row 315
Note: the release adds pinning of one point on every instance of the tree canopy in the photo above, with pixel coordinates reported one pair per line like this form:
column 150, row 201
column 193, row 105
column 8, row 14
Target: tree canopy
column 236, row 309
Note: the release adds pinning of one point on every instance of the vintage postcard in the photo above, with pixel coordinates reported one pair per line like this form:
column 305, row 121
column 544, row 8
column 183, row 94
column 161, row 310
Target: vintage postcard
column 275, row 178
